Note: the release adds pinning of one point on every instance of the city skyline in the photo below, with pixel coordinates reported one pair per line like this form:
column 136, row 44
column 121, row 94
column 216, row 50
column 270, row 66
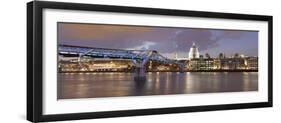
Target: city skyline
column 96, row 60
column 166, row 41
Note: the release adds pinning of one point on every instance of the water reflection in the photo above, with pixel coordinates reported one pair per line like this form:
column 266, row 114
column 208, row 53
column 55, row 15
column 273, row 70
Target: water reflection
column 91, row 85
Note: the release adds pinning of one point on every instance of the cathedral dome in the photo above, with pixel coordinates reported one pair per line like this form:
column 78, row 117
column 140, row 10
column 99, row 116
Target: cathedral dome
column 193, row 52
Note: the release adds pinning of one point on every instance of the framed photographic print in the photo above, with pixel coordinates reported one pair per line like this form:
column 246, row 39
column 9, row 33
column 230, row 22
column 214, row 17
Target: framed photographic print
column 95, row 61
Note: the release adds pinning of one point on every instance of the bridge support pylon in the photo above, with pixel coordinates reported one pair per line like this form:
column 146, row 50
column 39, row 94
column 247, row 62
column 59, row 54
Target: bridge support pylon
column 139, row 70
column 181, row 68
column 140, row 74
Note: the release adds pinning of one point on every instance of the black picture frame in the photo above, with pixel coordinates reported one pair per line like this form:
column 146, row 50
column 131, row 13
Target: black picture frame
column 35, row 69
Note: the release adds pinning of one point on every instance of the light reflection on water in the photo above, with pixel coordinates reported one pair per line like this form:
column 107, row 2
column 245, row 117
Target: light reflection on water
column 91, row 85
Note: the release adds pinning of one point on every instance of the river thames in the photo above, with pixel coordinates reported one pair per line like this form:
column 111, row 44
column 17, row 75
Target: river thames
column 113, row 84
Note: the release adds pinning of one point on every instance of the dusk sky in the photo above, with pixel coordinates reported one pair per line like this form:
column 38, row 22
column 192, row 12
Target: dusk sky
column 166, row 41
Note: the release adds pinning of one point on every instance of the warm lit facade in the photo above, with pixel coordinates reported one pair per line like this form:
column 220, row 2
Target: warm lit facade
column 236, row 62
column 252, row 63
column 105, row 65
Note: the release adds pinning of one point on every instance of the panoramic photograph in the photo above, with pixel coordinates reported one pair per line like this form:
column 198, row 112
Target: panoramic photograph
column 108, row 60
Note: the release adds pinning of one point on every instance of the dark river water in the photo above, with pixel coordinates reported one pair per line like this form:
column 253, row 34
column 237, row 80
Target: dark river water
column 91, row 85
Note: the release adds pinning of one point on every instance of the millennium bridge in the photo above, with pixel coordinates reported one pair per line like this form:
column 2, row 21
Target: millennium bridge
column 139, row 58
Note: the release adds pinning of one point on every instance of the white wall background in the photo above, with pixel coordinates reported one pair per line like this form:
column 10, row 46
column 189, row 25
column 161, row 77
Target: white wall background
column 13, row 61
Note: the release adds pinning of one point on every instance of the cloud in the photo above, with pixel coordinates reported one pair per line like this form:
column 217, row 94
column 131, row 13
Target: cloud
column 96, row 32
column 228, row 34
column 145, row 46
column 164, row 40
